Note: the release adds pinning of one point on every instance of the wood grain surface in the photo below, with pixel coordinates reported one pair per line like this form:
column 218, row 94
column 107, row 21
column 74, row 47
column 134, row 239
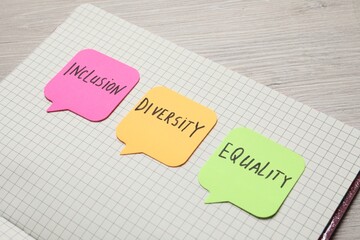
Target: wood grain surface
column 306, row 49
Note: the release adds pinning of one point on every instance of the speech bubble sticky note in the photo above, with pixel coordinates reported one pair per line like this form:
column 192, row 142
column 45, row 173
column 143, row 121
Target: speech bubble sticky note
column 252, row 172
column 91, row 85
column 165, row 126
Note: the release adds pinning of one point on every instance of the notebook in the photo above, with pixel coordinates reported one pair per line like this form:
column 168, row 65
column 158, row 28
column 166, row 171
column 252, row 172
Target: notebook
column 62, row 176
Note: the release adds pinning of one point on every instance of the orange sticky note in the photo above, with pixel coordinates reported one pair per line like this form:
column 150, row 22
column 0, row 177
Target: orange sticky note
column 165, row 126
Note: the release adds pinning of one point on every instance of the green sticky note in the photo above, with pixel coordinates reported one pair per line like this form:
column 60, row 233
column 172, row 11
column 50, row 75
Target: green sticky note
column 251, row 172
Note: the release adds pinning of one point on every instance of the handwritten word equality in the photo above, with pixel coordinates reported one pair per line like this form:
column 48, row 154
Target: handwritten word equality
column 248, row 163
column 169, row 117
column 89, row 76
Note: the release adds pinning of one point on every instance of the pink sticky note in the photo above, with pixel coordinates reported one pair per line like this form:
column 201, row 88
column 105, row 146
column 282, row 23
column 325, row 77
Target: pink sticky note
column 91, row 85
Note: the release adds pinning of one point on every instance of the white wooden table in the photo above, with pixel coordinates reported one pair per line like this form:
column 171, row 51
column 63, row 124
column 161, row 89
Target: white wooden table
column 306, row 49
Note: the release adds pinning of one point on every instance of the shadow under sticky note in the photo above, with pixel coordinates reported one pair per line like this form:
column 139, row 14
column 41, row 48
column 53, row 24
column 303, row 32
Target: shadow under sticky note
column 91, row 85
column 166, row 126
column 252, row 172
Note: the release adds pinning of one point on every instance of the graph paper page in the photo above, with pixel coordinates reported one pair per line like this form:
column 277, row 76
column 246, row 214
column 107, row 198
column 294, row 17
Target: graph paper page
column 62, row 176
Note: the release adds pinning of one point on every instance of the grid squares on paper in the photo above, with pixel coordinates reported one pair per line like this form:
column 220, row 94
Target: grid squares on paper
column 9, row 231
column 63, row 177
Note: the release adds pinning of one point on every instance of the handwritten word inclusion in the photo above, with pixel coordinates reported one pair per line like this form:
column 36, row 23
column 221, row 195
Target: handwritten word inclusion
column 89, row 76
